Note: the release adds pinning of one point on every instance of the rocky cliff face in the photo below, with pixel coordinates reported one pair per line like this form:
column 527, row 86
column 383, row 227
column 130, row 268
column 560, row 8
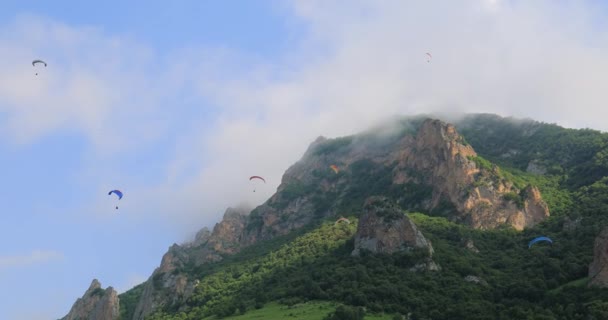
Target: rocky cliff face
column 384, row 228
column 169, row 284
column 439, row 157
column 95, row 304
column 434, row 156
column 598, row 270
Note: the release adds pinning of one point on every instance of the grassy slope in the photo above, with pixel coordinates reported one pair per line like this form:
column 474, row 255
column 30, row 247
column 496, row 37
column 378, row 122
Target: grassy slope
column 313, row 310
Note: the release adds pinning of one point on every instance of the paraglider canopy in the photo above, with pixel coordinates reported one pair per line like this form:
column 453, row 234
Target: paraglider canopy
column 116, row 192
column 257, row 177
column 538, row 239
column 429, row 57
column 334, row 168
column 40, row 62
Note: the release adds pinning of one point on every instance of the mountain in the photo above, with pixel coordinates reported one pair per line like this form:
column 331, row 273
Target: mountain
column 439, row 215
column 95, row 304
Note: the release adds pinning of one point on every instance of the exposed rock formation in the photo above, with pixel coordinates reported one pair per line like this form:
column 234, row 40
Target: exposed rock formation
column 440, row 158
column 470, row 245
column 535, row 167
column 598, row 270
column 165, row 287
column 202, row 236
column 434, row 156
column 385, row 229
column 427, row 265
column 168, row 286
column 476, row 280
column 95, row 304
column 226, row 236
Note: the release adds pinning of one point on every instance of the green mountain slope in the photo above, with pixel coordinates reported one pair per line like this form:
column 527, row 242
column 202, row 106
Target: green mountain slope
column 506, row 280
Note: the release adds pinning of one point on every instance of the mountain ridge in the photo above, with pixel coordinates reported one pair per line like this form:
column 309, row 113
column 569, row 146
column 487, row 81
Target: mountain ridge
column 436, row 171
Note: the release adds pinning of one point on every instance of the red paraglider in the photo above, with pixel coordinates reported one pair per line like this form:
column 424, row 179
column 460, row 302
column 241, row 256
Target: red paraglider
column 256, row 177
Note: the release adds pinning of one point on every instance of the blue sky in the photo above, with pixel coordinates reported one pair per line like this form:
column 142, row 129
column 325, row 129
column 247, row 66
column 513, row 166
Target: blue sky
column 178, row 104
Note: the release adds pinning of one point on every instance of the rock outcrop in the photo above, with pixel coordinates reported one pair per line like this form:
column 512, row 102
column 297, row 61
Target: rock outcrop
column 476, row 280
column 470, row 245
column 439, row 157
column 95, row 304
column 202, row 236
column 427, row 265
column 598, row 270
column 433, row 156
column 168, row 286
column 535, row 167
column 385, row 229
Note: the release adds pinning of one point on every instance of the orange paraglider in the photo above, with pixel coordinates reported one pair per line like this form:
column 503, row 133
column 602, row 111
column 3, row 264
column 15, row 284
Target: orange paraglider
column 335, row 168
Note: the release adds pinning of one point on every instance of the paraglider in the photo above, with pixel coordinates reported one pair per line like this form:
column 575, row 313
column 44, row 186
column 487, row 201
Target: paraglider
column 256, row 177
column 429, row 57
column 39, row 62
column 116, row 192
column 334, row 168
column 538, row 239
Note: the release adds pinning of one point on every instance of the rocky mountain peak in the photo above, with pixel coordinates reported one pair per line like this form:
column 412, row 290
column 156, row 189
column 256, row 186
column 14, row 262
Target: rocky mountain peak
column 168, row 287
column 435, row 132
column 95, row 284
column 95, row 304
column 480, row 196
column 202, row 236
column 318, row 141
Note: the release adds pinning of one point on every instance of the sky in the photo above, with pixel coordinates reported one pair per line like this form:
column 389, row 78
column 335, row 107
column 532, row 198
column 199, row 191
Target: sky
column 177, row 104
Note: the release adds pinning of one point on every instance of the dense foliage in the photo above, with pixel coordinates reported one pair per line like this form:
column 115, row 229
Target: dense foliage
column 580, row 156
column 514, row 282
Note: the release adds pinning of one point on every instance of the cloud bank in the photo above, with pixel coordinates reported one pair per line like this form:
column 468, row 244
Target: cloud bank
column 362, row 61
column 33, row 258
column 222, row 116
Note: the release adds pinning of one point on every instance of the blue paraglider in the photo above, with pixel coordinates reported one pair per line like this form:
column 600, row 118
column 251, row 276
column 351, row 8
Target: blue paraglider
column 535, row 240
column 118, row 193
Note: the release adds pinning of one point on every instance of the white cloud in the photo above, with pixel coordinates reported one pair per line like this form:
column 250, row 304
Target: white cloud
column 362, row 61
column 33, row 258
column 94, row 84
